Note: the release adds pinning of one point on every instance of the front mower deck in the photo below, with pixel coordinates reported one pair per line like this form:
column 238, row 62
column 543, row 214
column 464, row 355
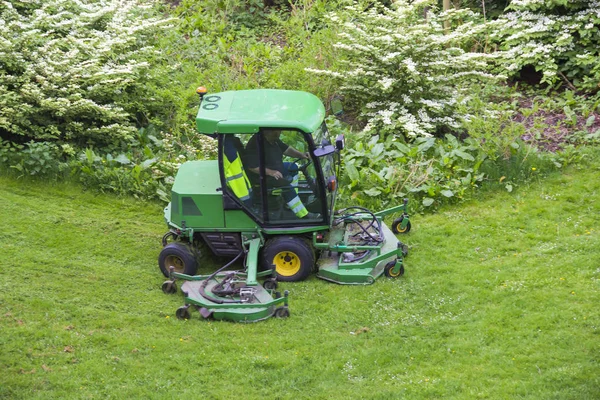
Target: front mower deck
column 231, row 295
column 261, row 305
column 249, row 304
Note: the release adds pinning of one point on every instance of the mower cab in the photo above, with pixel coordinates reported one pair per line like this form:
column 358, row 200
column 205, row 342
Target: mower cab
column 269, row 199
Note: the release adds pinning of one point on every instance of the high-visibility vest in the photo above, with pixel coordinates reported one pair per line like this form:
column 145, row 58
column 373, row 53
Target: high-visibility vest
column 236, row 177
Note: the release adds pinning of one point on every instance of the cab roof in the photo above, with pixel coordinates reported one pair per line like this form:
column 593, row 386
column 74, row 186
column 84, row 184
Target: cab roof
column 245, row 111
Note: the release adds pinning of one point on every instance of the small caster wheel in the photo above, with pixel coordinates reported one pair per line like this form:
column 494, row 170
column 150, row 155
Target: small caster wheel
column 270, row 284
column 389, row 270
column 282, row 312
column 169, row 287
column 396, row 226
column 183, row 312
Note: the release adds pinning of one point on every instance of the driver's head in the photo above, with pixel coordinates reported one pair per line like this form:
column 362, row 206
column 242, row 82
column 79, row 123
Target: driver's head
column 272, row 135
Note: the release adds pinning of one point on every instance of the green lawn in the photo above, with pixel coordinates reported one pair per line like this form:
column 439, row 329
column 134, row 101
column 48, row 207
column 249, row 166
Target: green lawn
column 500, row 300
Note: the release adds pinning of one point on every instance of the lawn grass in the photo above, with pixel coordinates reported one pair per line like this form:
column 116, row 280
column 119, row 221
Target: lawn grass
column 500, row 300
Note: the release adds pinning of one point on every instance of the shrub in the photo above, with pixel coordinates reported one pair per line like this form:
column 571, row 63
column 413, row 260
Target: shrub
column 431, row 170
column 559, row 38
column 75, row 71
column 118, row 175
column 403, row 72
column 146, row 170
column 40, row 159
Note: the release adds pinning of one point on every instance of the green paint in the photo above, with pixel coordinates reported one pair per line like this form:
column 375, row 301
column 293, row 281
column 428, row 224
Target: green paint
column 198, row 206
column 252, row 261
column 363, row 272
column 246, row 111
column 196, row 202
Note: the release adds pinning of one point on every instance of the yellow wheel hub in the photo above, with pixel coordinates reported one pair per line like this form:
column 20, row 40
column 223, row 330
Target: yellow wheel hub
column 176, row 262
column 286, row 263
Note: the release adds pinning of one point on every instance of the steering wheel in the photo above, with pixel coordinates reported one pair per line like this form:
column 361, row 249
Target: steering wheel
column 303, row 165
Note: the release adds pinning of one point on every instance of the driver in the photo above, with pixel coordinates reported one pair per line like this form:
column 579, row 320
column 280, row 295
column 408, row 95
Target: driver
column 280, row 174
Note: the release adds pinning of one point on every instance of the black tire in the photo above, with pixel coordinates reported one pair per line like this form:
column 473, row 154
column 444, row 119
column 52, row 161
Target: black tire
column 292, row 256
column 183, row 313
column 396, row 226
column 388, row 270
column 282, row 312
column 169, row 287
column 179, row 255
column 270, row 284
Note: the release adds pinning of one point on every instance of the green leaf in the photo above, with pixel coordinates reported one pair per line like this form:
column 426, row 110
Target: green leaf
column 373, row 140
column 352, row 172
column 148, row 163
column 89, row 154
column 427, row 201
column 590, row 121
column 122, row 159
column 426, row 144
column 464, row 155
column 402, row 147
column 447, row 193
column 377, row 149
column 373, row 192
column 155, row 140
column 452, row 139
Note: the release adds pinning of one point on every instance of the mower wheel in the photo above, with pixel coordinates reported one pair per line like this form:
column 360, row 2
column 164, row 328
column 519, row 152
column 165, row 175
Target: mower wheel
column 396, row 226
column 169, row 287
column 282, row 312
column 270, row 284
column 389, row 270
column 292, row 257
column 179, row 256
column 183, row 313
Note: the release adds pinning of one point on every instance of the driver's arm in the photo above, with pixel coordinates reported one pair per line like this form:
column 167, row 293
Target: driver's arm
column 292, row 152
column 270, row 172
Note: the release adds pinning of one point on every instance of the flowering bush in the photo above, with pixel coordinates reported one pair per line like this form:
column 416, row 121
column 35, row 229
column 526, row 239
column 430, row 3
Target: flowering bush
column 559, row 38
column 74, row 71
column 403, row 71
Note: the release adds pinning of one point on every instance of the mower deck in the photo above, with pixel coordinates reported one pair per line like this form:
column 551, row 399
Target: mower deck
column 339, row 266
column 245, row 304
column 231, row 295
column 261, row 304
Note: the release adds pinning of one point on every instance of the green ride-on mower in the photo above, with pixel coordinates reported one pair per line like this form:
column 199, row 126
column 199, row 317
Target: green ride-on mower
column 269, row 202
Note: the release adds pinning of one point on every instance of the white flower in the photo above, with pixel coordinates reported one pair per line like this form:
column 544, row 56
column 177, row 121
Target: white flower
column 386, row 83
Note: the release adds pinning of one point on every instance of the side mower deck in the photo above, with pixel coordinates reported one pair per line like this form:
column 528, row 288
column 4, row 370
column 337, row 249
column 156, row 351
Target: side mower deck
column 349, row 261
